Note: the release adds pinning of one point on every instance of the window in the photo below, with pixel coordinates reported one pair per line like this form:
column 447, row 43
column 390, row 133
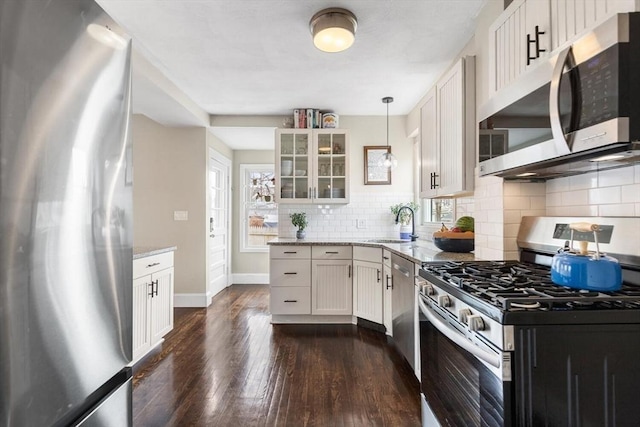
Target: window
column 438, row 210
column 259, row 210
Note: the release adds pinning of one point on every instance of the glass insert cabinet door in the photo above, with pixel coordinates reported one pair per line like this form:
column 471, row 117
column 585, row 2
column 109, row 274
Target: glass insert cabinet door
column 294, row 165
column 331, row 167
column 312, row 166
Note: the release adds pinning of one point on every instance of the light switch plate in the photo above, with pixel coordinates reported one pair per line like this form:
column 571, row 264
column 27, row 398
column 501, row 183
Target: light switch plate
column 361, row 223
column 180, row 215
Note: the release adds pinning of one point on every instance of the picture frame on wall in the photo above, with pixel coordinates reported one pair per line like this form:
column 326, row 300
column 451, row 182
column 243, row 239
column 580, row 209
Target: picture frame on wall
column 374, row 174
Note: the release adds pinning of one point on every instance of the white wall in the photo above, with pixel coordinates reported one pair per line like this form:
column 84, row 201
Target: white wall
column 170, row 174
column 170, row 170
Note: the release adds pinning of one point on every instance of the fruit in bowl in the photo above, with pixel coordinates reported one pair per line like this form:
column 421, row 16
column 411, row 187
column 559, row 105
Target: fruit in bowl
column 459, row 238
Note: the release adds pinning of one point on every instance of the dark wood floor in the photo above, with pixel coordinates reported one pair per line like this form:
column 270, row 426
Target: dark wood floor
column 227, row 365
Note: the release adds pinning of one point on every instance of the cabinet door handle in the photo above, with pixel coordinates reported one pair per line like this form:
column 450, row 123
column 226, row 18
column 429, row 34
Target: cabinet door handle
column 389, row 282
column 290, row 252
column 151, row 293
column 157, row 283
column 291, row 300
column 435, row 184
column 309, row 194
column 385, row 257
column 290, row 272
column 378, row 271
column 349, row 270
column 153, row 265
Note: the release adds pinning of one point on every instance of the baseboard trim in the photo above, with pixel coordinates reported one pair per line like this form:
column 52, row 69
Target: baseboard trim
column 250, row 279
column 304, row 318
column 191, row 300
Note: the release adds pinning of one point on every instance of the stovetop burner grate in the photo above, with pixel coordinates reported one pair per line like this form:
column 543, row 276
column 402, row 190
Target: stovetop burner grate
column 514, row 286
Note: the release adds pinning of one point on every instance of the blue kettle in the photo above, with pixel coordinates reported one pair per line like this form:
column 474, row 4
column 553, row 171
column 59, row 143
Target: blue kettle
column 582, row 269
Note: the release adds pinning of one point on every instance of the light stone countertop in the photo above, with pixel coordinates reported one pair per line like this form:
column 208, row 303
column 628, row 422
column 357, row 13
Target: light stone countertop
column 418, row 252
column 144, row 251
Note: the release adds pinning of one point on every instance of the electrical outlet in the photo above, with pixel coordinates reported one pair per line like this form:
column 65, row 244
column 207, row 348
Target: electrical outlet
column 361, row 223
column 180, row 215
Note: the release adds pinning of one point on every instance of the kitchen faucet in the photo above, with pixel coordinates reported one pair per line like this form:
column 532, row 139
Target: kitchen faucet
column 413, row 222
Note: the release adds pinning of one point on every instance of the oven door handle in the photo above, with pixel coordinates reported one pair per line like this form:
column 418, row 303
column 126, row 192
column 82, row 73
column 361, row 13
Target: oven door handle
column 457, row 337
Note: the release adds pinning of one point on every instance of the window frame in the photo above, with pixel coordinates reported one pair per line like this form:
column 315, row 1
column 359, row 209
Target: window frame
column 246, row 205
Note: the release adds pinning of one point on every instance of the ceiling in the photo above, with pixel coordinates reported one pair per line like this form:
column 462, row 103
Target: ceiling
column 256, row 57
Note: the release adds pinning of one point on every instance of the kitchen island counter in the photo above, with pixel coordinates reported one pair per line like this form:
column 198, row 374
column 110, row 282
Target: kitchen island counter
column 418, row 252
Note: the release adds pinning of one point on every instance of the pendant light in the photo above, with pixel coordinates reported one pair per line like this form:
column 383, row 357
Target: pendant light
column 388, row 160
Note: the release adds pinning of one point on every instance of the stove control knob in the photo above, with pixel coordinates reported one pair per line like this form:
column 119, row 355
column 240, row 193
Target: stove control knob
column 476, row 323
column 463, row 315
column 427, row 289
column 444, row 301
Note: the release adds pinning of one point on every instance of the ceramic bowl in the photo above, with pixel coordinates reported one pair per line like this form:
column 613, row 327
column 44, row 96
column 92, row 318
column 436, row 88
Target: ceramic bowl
column 454, row 245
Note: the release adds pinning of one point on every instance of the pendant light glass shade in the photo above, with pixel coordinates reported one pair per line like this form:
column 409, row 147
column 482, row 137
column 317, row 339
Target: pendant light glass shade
column 333, row 29
column 388, row 160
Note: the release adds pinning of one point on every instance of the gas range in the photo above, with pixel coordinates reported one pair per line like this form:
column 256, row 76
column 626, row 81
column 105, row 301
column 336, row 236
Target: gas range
column 485, row 300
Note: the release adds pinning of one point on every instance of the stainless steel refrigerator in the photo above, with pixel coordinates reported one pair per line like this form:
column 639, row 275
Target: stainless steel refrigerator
column 65, row 215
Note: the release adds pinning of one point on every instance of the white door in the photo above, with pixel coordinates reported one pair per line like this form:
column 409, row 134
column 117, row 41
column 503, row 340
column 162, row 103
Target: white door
column 218, row 227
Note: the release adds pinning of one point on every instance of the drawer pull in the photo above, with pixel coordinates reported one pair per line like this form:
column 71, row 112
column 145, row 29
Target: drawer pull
column 291, row 300
column 290, row 252
column 385, row 257
column 291, row 273
column 331, row 252
column 153, row 265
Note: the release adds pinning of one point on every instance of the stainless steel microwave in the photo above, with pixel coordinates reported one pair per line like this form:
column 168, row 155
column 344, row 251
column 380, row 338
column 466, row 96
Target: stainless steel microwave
column 576, row 112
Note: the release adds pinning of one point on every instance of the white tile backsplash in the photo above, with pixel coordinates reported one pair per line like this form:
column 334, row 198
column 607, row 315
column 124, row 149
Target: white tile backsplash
column 339, row 221
column 614, row 192
column 627, row 209
column 574, row 198
column 630, row 193
column 619, row 176
column 606, row 195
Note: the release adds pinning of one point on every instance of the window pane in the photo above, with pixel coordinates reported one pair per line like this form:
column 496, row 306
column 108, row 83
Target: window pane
column 260, row 222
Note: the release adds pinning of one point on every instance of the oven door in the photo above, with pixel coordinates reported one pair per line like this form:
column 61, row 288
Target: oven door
column 460, row 388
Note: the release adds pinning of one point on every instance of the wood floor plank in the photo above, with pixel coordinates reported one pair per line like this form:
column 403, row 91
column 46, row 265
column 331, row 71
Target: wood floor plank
column 226, row 365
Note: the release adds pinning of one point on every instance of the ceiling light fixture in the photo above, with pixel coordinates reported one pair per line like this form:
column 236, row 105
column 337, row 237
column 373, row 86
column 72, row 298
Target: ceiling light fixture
column 333, row 29
column 388, row 160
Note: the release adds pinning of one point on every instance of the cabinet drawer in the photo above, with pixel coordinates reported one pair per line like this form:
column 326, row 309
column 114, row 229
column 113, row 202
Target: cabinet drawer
column 291, row 300
column 363, row 253
column 294, row 251
column 294, row 272
column 386, row 258
column 152, row 264
column 331, row 252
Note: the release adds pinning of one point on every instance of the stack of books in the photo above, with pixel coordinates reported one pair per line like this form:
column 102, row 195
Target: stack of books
column 307, row 118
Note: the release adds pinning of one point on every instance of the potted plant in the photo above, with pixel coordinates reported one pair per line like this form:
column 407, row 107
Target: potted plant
column 299, row 219
column 405, row 217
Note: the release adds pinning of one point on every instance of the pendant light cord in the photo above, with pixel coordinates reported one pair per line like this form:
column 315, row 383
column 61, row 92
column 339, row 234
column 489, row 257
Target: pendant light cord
column 387, row 125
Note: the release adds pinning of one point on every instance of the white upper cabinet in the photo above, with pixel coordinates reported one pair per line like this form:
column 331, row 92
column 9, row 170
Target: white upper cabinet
column 569, row 18
column 530, row 30
column 517, row 39
column 447, row 132
column 312, row 166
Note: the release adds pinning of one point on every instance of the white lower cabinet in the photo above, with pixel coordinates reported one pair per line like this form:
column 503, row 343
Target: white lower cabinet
column 388, row 292
column 290, row 279
column 331, row 282
column 368, row 283
column 152, row 301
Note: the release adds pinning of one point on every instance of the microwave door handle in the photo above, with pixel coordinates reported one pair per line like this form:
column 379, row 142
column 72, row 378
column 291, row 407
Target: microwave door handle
column 560, row 141
column 455, row 336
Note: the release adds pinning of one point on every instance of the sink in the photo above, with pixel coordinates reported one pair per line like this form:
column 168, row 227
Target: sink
column 387, row 241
